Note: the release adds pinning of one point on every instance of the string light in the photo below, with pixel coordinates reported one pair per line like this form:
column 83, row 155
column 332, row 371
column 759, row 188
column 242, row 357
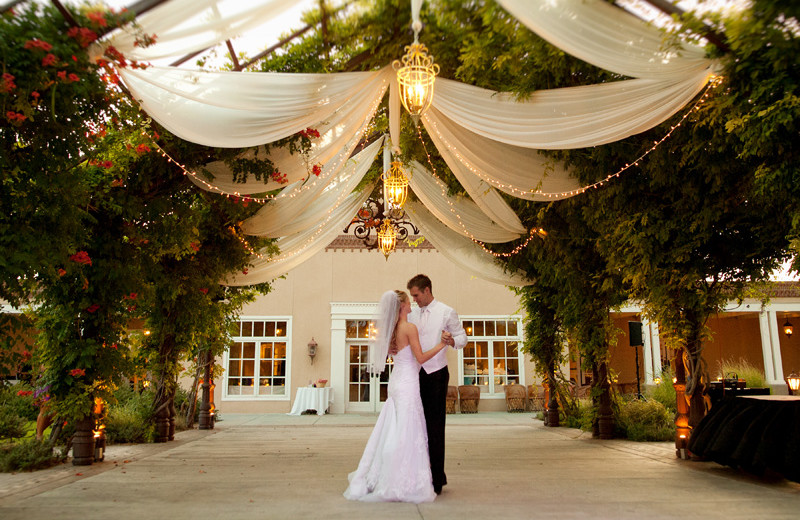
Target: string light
column 714, row 81
column 341, row 158
column 295, row 190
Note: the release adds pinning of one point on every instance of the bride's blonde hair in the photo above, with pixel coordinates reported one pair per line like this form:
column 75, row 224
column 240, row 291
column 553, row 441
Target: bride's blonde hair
column 402, row 297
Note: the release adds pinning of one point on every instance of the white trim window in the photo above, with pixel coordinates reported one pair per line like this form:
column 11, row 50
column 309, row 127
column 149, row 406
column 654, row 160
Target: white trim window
column 257, row 364
column 491, row 359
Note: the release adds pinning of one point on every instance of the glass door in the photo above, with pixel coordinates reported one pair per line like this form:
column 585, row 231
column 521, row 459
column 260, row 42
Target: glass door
column 365, row 392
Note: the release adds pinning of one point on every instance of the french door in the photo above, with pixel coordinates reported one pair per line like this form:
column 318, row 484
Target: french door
column 365, row 392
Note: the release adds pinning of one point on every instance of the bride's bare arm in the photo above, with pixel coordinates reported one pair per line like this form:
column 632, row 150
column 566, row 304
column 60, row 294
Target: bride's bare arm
column 416, row 348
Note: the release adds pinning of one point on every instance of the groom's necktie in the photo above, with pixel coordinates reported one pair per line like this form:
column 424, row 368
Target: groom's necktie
column 423, row 318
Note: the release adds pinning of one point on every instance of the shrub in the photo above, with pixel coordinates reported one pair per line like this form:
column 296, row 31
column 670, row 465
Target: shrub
column 664, row 392
column 19, row 398
column 28, row 455
column 642, row 420
column 580, row 415
column 12, row 426
column 753, row 376
column 131, row 418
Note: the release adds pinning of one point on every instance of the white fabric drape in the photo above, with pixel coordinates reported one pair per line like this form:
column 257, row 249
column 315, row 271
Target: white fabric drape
column 183, row 27
column 241, row 109
column 521, row 172
column 298, row 248
column 296, row 210
column 608, row 37
column 460, row 250
column 566, row 118
column 458, row 213
column 338, row 137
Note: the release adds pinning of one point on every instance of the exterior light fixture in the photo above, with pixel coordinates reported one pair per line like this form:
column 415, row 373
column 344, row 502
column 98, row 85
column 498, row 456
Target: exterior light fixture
column 788, row 329
column 387, row 238
column 794, row 383
column 395, row 185
column 416, row 74
column 312, row 349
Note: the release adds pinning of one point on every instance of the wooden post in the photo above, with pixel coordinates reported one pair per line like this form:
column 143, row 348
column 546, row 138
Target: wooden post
column 682, row 415
column 83, row 442
column 205, row 420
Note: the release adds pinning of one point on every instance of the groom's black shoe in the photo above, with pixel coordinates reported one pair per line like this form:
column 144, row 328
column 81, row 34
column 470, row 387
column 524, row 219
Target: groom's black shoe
column 438, row 489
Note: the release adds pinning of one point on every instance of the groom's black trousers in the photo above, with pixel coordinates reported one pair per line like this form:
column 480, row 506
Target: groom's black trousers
column 433, row 390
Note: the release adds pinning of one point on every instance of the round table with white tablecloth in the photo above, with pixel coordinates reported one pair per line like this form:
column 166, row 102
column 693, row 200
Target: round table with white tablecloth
column 311, row 398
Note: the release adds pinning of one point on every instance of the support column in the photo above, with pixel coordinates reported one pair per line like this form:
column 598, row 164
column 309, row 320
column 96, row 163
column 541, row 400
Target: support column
column 655, row 342
column 767, row 322
column 647, row 352
column 338, row 369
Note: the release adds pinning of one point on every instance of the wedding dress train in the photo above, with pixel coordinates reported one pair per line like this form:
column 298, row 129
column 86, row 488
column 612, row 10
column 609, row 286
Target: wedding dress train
column 395, row 466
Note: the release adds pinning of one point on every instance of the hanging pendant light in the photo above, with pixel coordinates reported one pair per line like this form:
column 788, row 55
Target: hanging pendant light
column 387, row 237
column 395, row 185
column 416, row 74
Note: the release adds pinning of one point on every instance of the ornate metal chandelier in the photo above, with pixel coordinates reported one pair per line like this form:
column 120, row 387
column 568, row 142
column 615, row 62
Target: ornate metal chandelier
column 416, row 74
column 371, row 219
column 387, row 238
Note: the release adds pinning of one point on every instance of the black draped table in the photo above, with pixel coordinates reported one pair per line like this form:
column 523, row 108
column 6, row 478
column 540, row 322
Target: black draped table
column 754, row 433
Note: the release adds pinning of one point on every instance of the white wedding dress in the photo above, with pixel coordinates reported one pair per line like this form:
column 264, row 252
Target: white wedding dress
column 395, row 466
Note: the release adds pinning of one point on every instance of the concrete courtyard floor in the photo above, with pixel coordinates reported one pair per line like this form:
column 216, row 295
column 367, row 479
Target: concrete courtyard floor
column 499, row 465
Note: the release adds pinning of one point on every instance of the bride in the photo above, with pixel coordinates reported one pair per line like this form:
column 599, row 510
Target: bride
column 395, row 465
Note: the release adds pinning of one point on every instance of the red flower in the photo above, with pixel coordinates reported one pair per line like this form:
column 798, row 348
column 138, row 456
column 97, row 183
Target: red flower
column 73, row 77
column 114, row 346
column 204, row 290
column 38, row 44
column 50, row 59
column 81, row 257
column 25, row 393
column 7, row 83
column 15, row 116
column 35, row 95
column 74, row 58
column 195, row 246
column 77, row 372
column 61, row 272
column 131, row 296
column 316, row 170
column 97, row 17
column 62, row 75
column 83, row 35
column 92, row 308
column 26, row 354
column 244, row 271
column 142, row 148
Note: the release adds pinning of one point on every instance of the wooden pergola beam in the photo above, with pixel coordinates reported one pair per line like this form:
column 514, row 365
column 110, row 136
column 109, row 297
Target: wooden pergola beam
column 716, row 39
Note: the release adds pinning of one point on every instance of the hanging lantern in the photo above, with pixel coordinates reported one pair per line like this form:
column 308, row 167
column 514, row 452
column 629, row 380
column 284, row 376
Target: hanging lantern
column 387, row 236
column 395, row 185
column 416, row 73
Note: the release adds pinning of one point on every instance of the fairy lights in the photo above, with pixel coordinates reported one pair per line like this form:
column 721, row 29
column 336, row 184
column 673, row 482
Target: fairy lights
column 295, row 191
column 714, row 81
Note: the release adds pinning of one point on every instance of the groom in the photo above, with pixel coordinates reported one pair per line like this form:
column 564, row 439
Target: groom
column 435, row 322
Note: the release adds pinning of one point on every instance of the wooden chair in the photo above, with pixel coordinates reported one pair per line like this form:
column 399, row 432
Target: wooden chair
column 468, row 398
column 535, row 399
column 452, row 397
column 516, row 398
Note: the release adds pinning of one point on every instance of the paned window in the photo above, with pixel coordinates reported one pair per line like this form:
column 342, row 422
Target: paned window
column 257, row 361
column 361, row 386
column 491, row 358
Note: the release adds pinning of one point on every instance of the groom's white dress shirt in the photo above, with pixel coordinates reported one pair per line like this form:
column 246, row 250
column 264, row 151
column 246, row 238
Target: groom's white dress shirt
column 431, row 321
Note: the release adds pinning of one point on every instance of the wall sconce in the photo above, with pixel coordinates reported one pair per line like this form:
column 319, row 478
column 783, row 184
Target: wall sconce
column 312, row 349
column 794, row 383
column 788, row 329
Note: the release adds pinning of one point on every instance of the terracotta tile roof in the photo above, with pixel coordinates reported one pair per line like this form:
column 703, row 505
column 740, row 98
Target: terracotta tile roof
column 350, row 242
column 783, row 290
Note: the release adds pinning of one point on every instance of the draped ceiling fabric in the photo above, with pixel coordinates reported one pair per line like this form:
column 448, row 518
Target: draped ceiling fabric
column 490, row 140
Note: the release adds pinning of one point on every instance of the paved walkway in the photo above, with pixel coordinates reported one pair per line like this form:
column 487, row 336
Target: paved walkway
column 499, row 465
